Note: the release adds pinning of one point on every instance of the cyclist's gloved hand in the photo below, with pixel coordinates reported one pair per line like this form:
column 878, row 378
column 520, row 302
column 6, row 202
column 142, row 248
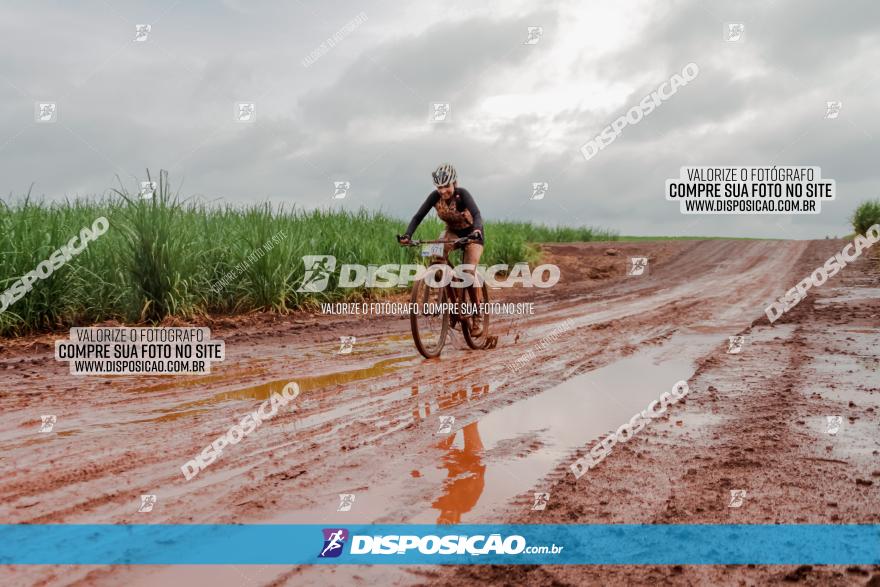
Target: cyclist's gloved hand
column 476, row 235
column 403, row 239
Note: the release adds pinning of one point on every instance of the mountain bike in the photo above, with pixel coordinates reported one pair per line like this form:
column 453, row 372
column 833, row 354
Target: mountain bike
column 437, row 307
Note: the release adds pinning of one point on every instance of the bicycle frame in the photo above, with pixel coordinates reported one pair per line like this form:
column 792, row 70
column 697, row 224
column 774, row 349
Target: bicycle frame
column 458, row 244
column 451, row 315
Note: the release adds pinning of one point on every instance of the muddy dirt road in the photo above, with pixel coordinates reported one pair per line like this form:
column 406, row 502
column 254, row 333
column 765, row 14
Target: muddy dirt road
column 367, row 423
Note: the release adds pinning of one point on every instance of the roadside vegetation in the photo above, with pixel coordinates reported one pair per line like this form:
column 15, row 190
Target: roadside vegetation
column 866, row 216
column 167, row 256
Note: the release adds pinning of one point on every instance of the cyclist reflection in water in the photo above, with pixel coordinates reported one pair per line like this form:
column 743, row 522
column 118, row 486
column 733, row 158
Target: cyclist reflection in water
column 467, row 471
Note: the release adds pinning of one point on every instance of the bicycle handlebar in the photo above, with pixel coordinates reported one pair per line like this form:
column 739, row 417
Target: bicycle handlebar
column 414, row 243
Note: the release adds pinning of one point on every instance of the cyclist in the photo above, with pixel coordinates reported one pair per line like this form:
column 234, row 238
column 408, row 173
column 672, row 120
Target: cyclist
column 456, row 207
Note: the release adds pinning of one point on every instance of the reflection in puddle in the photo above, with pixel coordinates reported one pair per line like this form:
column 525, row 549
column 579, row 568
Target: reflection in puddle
column 264, row 390
column 465, row 469
column 510, row 449
column 466, row 473
column 422, row 410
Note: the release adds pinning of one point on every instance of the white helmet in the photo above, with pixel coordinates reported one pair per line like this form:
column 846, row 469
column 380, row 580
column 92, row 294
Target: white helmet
column 444, row 175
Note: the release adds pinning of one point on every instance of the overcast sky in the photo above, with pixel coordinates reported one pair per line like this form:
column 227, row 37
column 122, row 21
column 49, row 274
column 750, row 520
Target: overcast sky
column 519, row 112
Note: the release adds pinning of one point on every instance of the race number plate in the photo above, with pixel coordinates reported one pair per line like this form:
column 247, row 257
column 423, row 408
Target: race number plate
column 432, row 250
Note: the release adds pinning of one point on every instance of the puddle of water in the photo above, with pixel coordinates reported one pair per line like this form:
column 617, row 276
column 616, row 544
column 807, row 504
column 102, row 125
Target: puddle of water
column 178, row 381
column 258, row 368
column 869, row 363
column 485, row 463
column 384, row 340
column 265, row 390
column 365, row 345
column 492, row 460
column 852, row 295
column 466, row 475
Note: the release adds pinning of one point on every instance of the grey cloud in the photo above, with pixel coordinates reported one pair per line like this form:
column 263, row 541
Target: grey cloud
column 447, row 63
column 169, row 105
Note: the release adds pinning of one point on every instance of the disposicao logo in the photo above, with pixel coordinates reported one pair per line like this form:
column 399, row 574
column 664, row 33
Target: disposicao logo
column 451, row 544
column 319, row 269
column 334, row 540
column 823, row 273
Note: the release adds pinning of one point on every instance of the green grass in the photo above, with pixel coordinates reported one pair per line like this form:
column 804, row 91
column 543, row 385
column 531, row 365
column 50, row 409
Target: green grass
column 161, row 256
column 866, row 216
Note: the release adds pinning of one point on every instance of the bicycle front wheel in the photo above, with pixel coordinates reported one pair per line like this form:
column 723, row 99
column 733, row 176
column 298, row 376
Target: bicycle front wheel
column 481, row 341
column 429, row 324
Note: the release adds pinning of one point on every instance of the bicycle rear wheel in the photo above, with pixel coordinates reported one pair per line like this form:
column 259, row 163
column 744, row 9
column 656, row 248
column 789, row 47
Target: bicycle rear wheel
column 482, row 341
column 429, row 325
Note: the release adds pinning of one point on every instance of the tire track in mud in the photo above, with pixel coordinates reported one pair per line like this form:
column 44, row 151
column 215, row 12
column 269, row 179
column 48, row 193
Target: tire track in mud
column 754, row 421
column 550, row 370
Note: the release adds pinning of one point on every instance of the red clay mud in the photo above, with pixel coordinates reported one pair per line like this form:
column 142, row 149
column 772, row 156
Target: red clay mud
column 367, row 423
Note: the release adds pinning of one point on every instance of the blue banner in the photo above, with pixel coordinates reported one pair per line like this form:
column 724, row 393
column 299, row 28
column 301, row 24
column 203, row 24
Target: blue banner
column 171, row 544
